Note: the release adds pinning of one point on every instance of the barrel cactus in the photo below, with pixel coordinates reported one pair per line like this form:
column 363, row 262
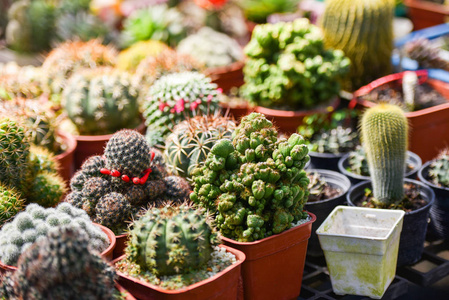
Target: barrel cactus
column 11, row 203
column 255, row 182
column 130, row 58
column 101, row 101
column 174, row 97
column 439, row 169
column 364, row 31
column 384, row 130
column 20, row 82
column 70, row 268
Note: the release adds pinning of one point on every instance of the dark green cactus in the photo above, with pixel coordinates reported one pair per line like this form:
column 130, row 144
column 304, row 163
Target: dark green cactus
column 255, row 183
column 364, row 31
column 61, row 266
column 10, row 203
column 384, row 130
column 171, row 240
column 439, row 169
column 337, row 140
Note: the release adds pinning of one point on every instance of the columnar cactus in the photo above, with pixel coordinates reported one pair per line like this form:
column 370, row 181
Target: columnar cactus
column 255, row 183
column 174, row 97
column 409, row 84
column 439, row 169
column 384, row 130
column 101, row 101
column 171, row 240
column 364, row 31
column 61, row 265
column 36, row 221
column 191, row 140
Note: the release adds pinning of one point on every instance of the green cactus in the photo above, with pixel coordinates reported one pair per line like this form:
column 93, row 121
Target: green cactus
column 384, row 131
column 357, row 162
column 61, row 265
column 129, row 59
column 191, row 140
column 36, row 221
column 255, row 183
column 439, row 169
column 337, row 140
column 11, row 203
column 364, row 31
column 171, row 240
column 101, row 101
column 20, row 82
column 174, row 97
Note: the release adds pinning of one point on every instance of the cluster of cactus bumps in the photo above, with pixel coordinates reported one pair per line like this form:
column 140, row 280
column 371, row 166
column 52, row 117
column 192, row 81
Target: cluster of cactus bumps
column 114, row 187
column 255, row 182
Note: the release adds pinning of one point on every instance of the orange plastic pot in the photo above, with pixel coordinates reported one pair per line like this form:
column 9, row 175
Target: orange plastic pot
column 227, row 77
column 274, row 265
column 288, row 121
column 426, row 14
column 222, row 286
column 124, row 292
column 66, row 159
column 120, row 245
column 429, row 127
column 89, row 145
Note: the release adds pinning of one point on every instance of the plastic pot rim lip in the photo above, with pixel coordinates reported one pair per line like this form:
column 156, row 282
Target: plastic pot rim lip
column 400, row 216
column 427, row 182
column 71, row 144
column 327, row 155
column 218, row 70
column 332, row 102
column 342, row 177
column 234, row 251
column 89, row 138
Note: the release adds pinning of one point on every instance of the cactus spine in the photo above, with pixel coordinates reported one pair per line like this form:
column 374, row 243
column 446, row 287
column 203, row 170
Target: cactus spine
column 384, row 131
column 363, row 29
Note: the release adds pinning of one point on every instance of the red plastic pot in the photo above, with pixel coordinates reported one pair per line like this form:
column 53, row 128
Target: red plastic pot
column 429, row 128
column 120, row 245
column 223, row 285
column 274, row 266
column 227, row 77
column 122, row 290
column 426, row 14
column 66, row 159
column 89, row 145
column 288, row 121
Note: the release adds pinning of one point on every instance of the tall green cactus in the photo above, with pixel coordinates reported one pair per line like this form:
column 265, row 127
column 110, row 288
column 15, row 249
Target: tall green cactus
column 363, row 29
column 384, row 133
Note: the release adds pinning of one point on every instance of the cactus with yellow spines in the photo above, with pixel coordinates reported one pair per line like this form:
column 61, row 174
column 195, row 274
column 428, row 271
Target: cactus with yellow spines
column 363, row 29
column 384, row 130
column 130, row 58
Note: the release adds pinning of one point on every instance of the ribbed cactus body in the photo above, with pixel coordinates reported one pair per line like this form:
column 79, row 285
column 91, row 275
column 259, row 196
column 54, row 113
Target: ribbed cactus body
column 130, row 58
column 363, row 29
column 171, row 240
column 101, row 101
column 10, row 203
column 384, row 131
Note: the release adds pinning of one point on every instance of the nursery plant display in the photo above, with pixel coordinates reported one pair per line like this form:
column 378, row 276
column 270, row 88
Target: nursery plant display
column 191, row 140
column 130, row 175
column 18, row 82
column 28, row 226
column 173, row 98
column 130, row 58
column 364, row 31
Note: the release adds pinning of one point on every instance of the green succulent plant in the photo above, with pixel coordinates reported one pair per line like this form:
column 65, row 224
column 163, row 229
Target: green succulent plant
column 439, row 169
column 258, row 10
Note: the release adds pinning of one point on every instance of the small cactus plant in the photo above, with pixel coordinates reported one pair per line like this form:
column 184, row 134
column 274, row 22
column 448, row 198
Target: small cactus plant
column 28, row 226
column 426, row 54
column 174, row 97
column 101, row 101
column 439, row 169
column 384, row 130
column 60, row 265
column 20, row 82
column 11, row 203
column 129, row 59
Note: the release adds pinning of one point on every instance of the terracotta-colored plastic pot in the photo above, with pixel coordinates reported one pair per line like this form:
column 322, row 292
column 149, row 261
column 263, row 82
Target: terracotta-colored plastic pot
column 426, row 14
column 274, row 265
column 288, row 121
column 66, row 159
column 227, row 77
column 89, row 145
column 124, row 292
column 429, row 127
column 223, row 285
column 120, row 245
column 237, row 112
column 107, row 253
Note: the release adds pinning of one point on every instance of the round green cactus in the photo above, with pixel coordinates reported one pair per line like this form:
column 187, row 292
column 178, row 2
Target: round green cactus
column 384, row 131
column 10, row 203
column 171, row 240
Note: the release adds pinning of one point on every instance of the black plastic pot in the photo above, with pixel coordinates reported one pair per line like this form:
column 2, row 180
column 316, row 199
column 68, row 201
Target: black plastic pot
column 439, row 212
column 325, row 161
column 412, row 158
column 321, row 209
column 414, row 226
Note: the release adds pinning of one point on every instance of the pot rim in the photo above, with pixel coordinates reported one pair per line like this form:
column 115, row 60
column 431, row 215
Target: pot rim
column 237, row 65
column 422, row 178
column 71, row 143
column 333, row 102
column 105, row 137
column 343, row 178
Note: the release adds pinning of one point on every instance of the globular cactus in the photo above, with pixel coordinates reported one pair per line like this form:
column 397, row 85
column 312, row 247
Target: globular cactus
column 11, row 203
column 61, row 265
column 384, row 131
column 426, row 54
column 36, row 221
column 211, row 48
column 191, row 140
column 173, row 98
column 364, row 31
column 255, row 183
column 439, row 169
column 171, row 240
column 20, row 82
column 337, row 140
column 101, row 101
column 129, row 59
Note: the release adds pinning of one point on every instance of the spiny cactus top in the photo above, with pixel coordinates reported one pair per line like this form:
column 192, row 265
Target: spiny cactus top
column 61, row 265
column 114, row 187
column 255, row 182
column 384, row 131
column 36, row 221
column 130, row 58
column 439, row 169
column 171, row 240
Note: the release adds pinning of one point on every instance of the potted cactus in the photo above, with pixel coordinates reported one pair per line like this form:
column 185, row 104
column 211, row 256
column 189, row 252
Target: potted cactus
column 384, row 131
column 434, row 174
column 255, row 185
column 289, row 74
column 129, row 59
column 190, row 265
